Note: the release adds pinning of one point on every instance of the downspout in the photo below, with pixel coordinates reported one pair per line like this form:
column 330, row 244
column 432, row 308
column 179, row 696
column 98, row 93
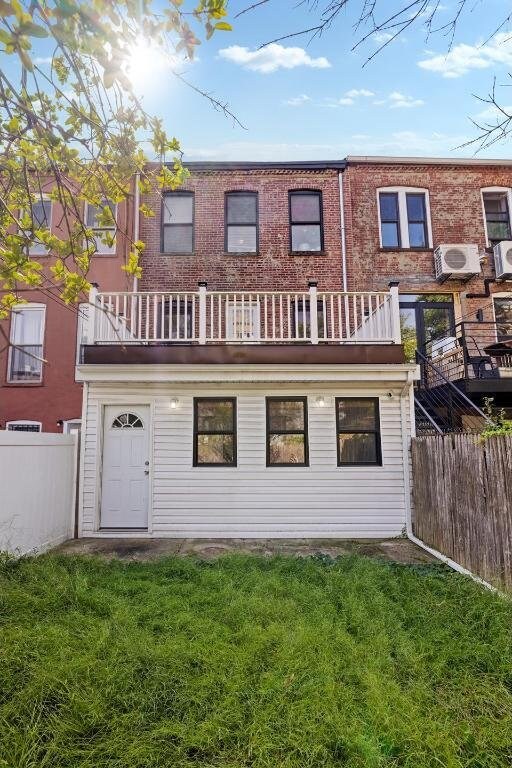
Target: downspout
column 342, row 232
column 136, row 204
column 407, row 392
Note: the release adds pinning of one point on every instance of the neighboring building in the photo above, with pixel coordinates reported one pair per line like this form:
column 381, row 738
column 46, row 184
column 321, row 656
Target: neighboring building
column 431, row 224
column 243, row 392
column 38, row 391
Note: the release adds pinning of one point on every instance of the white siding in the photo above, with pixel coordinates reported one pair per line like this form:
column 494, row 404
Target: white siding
column 251, row 499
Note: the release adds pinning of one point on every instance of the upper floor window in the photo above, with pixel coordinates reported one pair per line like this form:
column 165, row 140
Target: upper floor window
column 306, row 224
column 26, row 351
column 497, row 215
column 41, row 218
column 404, row 218
column 23, row 426
column 178, row 222
column 102, row 225
column 241, row 222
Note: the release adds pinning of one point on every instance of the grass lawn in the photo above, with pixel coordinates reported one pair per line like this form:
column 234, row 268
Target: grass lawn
column 251, row 662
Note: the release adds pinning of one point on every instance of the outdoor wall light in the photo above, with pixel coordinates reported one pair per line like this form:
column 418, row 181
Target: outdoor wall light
column 320, row 401
column 174, row 402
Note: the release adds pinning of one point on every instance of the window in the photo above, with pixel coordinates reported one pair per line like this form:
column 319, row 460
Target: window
column 243, row 321
column 389, row 220
column 306, row 229
column 301, row 320
column 127, row 421
column 177, row 322
column 214, row 431
column 104, row 236
column 287, row 432
column 26, row 352
column 358, row 431
column 178, row 222
column 23, row 426
column 241, row 218
column 404, row 218
column 41, row 214
column 503, row 315
column 497, row 215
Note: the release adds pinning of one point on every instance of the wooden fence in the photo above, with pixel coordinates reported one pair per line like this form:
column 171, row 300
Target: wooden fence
column 462, row 495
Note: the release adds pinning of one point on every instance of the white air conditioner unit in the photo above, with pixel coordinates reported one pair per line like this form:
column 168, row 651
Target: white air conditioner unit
column 459, row 262
column 503, row 259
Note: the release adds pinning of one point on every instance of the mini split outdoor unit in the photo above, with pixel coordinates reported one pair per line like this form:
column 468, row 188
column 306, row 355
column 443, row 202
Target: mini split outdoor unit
column 460, row 262
column 503, row 260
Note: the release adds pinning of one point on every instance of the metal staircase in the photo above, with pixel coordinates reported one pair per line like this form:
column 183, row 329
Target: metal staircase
column 444, row 408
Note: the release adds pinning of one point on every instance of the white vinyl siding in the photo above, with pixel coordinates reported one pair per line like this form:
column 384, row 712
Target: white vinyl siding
column 252, row 499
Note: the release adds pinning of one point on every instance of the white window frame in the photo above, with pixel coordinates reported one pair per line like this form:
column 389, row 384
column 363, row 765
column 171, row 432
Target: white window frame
column 102, row 249
column 28, row 422
column 402, row 193
column 508, row 192
column 68, row 424
column 28, row 308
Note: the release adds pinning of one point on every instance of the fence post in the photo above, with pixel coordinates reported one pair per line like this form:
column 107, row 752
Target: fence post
column 313, row 311
column 90, row 336
column 202, row 312
column 396, row 334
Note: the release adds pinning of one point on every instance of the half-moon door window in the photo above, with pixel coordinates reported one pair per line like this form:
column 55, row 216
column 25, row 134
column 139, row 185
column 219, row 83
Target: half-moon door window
column 127, row 421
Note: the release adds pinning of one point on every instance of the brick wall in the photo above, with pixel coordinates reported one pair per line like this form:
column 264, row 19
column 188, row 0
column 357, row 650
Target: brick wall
column 274, row 267
column 456, row 216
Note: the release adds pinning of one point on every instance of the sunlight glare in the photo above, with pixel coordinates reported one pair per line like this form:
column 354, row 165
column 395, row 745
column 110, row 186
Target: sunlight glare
column 145, row 62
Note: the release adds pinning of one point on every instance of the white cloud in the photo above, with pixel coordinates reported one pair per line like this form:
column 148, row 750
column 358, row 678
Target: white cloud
column 298, row 101
column 492, row 114
column 345, row 101
column 43, row 60
column 463, row 57
column 382, row 37
column 272, row 57
column 398, row 100
column 354, row 93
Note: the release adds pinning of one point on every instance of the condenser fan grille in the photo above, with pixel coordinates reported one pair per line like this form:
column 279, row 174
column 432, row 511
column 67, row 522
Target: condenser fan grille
column 508, row 256
column 455, row 258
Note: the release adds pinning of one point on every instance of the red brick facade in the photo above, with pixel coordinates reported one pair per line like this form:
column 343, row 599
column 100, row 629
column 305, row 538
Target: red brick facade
column 58, row 397
column 274, row 267
column 456, row 217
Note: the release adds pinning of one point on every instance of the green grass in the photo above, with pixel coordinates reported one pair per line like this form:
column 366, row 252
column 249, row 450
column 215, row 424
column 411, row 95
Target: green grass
column 251, row 662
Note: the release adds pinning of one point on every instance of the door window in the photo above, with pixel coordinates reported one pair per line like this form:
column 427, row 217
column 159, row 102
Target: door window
column 427, row 324
column 503, row 315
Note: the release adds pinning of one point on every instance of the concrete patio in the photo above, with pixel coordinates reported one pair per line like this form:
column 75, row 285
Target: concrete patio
column 144, row 549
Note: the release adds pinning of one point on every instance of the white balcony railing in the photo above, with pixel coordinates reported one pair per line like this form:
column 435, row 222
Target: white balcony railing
column 244, row 317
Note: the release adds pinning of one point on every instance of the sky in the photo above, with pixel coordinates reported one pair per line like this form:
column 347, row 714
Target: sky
column 304, row 99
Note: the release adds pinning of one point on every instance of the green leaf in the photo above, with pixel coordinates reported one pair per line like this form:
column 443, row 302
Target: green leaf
column 32, row 30
column 224, row 26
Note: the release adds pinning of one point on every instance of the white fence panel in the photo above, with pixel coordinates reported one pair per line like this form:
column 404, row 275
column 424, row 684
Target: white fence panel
column 37, row 490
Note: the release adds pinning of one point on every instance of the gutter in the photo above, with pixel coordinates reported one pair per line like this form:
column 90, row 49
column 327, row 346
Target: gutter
column 342, row 228
column 136, row 203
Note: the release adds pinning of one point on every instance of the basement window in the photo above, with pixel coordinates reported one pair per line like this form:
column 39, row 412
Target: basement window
column 358, row 431
column 214, row 431
column 287, row 432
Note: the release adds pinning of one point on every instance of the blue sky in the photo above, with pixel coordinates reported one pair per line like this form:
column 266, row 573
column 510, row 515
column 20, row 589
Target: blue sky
column 305, row 99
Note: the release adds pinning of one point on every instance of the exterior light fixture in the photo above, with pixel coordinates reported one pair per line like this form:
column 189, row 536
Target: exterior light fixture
column 174, row 402
column 320, row 401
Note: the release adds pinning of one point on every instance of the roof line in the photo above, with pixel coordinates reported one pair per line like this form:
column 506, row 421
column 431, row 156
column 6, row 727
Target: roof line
column 247, row 165
column 383, row 160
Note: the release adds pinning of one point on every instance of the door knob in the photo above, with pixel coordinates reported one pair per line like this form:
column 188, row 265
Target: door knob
column 146, row 471
column 146, row 463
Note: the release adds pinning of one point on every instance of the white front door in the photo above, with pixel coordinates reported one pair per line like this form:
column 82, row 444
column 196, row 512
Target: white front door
column 125, row 476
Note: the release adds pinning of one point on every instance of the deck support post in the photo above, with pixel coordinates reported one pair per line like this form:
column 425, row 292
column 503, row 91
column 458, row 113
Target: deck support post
column 313, row 311
column 396, row 333
column 92, row 310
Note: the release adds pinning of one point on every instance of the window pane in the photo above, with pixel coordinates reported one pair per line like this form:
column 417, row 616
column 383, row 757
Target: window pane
column 503, row 313
column 356, row 414
column 498, row 230
column 24, row 427
column 178, row 239
column 178, row 209
column 287, row 449
column 27, row 326
column 215, row 449
column 93, row 211
column 416, row 207
column 41, row 213
column 358, row 448
column 388, row 206
column 390, row 238
column 495, row 203
column 241, row 209
column 214, row 415
column 306, row 237
column 24, row 365
column 285, row 415
column 305, row 208
column 417, row 235
column 241, row 239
